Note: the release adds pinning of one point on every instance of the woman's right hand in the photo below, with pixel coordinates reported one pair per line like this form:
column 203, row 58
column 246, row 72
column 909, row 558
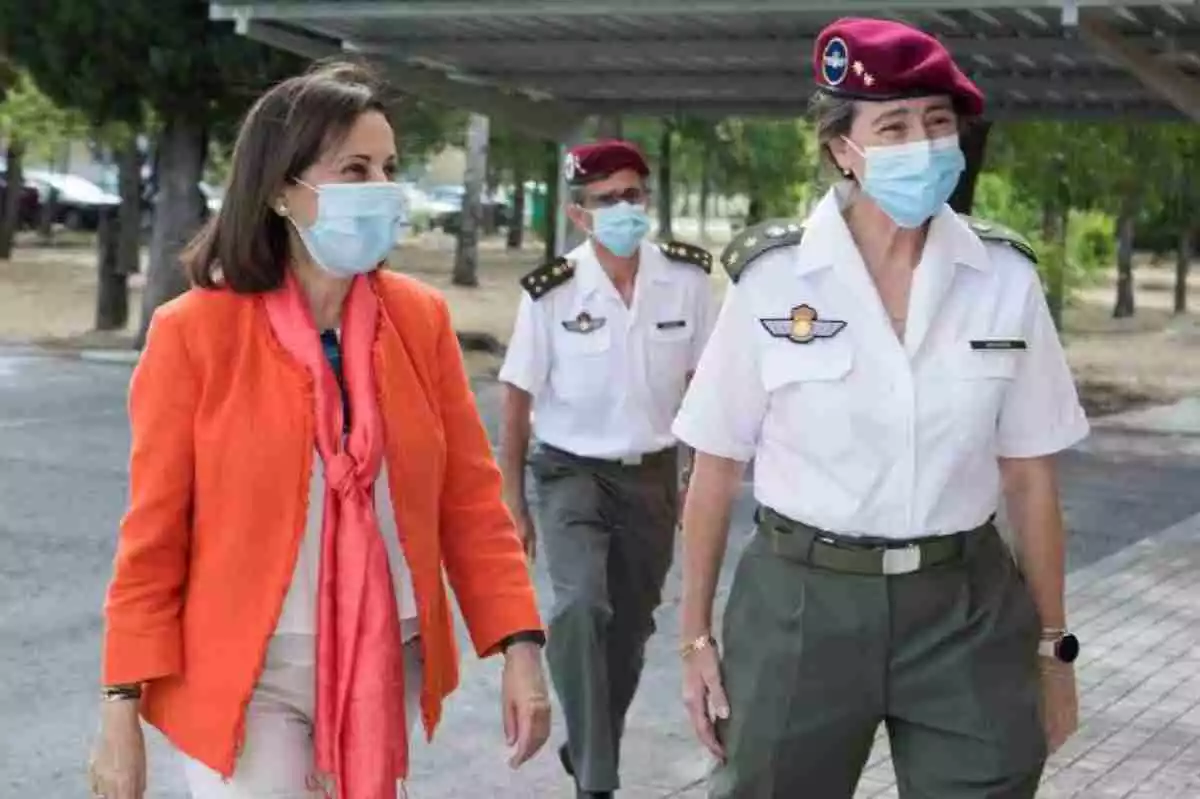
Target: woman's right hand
column 117, row 769
column 704, row 696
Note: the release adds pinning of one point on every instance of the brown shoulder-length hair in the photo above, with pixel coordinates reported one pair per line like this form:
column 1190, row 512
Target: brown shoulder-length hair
column 244, row 246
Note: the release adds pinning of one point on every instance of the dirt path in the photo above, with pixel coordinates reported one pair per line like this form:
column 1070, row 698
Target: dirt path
column 47, row 296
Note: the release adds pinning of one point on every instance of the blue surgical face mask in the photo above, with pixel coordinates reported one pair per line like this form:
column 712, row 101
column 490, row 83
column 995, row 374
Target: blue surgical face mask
column 620, row 228
column 356, row 225
column 911, row 182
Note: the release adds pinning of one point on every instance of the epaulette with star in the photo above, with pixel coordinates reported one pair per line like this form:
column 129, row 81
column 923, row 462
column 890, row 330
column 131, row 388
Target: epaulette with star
column 548, row 277
column 756, row 240
column 990, row 231
column 686, row 253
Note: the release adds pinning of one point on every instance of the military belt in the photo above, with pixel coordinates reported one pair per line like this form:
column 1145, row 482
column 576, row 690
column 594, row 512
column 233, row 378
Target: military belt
column 866, row 556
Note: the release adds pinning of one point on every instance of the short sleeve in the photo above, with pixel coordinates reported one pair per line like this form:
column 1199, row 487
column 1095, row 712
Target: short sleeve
column 723, row 408
column 1041, row 414
column 527, row 362
column 706, row 317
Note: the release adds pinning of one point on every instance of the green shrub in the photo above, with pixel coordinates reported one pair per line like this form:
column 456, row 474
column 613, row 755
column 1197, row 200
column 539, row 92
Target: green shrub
column 1091, row 240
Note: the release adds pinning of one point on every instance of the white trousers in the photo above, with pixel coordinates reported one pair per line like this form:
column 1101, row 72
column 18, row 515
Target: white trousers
column 277, row 758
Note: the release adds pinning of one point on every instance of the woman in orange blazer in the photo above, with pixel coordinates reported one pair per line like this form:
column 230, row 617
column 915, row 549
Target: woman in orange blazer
column 306, row 460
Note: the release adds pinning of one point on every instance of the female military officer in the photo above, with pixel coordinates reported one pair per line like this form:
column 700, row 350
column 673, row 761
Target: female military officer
column 892, row 368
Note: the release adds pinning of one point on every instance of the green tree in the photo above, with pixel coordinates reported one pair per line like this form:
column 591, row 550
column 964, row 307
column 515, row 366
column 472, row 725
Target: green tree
column 423, row 128
column 1048, row 164
column 115, row 60
column 768, row 161
column 516, row 159
column 32, row 125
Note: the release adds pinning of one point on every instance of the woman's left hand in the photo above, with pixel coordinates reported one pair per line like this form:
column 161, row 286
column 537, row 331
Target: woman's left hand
column 525, row 703
column 1060, row 702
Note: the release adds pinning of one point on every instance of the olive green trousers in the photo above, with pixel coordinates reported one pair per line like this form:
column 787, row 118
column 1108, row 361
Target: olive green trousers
column 814, row 660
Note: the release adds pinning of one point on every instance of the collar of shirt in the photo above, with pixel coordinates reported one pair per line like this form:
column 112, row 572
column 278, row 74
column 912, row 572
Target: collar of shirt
column 950, row 243
column 827, row 240
column 594, row 280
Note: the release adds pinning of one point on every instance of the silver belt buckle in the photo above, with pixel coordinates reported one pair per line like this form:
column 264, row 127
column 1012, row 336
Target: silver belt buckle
column 902, row 560
column 632, row 460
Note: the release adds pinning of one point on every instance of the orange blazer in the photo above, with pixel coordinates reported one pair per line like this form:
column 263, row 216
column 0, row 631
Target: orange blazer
column 221, row 459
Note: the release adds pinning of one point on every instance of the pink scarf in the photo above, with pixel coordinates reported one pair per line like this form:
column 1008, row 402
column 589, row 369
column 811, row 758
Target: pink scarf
column 360, row 735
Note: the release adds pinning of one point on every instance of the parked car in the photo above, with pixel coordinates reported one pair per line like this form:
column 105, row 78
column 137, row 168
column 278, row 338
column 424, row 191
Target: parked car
column 445, row 203
column 77, row 202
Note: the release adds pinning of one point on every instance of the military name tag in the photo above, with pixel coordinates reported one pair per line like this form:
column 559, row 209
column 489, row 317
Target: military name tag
column 671, row 325
column 998, row 344
column 584, row 323
column 802, row 326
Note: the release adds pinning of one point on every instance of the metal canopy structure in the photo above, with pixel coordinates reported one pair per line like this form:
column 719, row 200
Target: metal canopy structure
column 546, row 65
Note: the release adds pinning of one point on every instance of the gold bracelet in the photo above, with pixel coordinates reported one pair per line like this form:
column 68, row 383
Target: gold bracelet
column 697, row 644
column 118, row 693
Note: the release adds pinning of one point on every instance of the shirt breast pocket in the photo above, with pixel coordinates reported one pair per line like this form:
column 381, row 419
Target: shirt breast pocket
column 989, row 365
column 582, row 368
column 810, row 397
column 977, row 382
column 793, row 366
column 669, row 350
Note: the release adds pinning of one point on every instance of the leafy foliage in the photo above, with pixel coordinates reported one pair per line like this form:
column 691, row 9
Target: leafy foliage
column 424, row 128
column 115, row 59
column 29, row 116
column 769, row 161
column 1090, row 245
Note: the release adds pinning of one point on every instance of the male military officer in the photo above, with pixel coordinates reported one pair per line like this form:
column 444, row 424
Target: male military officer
column 603, row 347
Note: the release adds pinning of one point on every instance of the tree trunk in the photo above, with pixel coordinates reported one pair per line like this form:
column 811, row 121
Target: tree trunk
column 664, row 181
column 466, row 254
column 974, row 146
column 489, row 223
column 516, row 225
column 112, row 294
column 550, row 233
column 178, row 210
column 129, row 223
column 705, row 191
column 10, row 210
column 610, row 126
column 754, row 211
column 1054, row 226
column 1126, row 222
column 47, row 213
column 1183, row 260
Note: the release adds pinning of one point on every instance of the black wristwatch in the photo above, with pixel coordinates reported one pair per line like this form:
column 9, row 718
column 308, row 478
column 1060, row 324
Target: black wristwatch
column 524, row 636
column 1063, row 647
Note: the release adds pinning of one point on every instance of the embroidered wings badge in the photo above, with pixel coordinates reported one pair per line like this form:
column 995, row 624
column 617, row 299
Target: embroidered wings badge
column 584, row 323
column 802, row 326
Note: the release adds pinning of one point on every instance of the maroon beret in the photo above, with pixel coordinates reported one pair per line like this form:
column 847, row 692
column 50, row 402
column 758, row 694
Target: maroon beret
column 878, row 59
column 594, row 161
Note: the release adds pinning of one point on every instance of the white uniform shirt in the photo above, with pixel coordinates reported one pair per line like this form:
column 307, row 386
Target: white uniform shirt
column 610, row 388
column 858, row 433
column 299, row 616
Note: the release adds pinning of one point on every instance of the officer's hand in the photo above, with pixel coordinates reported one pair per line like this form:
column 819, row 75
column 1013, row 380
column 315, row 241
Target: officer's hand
column 705, row 697
column 525, row 702
column 1060, row 702
column 528, row 533
column 525, row 528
